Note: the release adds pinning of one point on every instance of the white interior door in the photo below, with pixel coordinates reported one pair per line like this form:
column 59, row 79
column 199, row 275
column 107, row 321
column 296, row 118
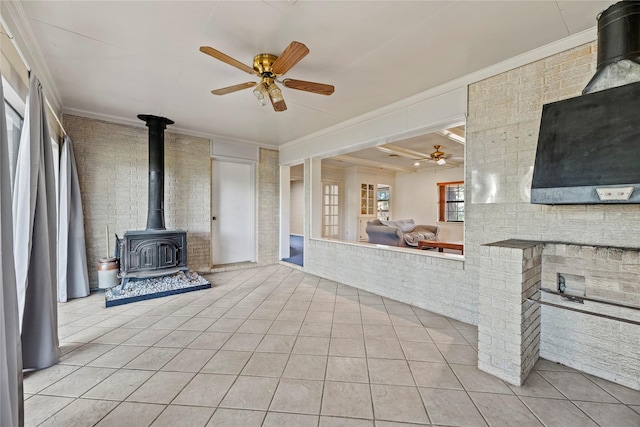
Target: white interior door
column 233, row 212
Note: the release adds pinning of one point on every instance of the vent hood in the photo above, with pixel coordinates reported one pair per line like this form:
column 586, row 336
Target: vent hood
column 589, row 146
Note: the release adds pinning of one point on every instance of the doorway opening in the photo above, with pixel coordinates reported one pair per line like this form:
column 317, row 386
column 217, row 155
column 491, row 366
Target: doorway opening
column 296, row 215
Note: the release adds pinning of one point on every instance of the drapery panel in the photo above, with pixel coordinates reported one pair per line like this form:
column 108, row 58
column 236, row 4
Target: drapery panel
column 11, row 400
column 73, row 276
column 34, row 213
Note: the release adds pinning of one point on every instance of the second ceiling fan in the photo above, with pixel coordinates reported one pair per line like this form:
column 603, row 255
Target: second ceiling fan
column 437, row 156
column 270, row 68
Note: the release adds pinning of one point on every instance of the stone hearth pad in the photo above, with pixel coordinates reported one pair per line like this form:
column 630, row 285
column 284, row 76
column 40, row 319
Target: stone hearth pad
column 156, row 287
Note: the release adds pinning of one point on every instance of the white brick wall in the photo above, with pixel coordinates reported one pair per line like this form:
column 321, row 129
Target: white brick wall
column 268, row 207
column 112, row 163
column 508, row 321
column 604, row 347
column 430, row 282
column 502, row 132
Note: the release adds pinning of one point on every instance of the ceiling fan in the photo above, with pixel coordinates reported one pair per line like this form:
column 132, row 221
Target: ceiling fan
column 270, row 68
column 437, row 156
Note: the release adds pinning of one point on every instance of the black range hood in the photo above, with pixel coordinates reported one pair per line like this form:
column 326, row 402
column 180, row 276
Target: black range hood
column 589, row 146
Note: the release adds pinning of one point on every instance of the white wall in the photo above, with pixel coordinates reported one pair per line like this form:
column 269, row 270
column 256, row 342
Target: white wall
column 351, row 204
column 416, row 196
column 297, row 172
column 332, row 174
column 296, row 215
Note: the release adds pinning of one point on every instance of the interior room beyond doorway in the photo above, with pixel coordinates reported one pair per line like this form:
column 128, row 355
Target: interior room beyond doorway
column 401, row 180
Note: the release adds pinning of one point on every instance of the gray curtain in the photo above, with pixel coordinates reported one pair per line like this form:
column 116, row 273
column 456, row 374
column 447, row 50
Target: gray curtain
column 73, row 276
column 34, row 213
column 10, row 354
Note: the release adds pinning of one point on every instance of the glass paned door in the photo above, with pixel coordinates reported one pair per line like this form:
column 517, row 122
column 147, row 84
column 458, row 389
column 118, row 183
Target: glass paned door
column 330, row 210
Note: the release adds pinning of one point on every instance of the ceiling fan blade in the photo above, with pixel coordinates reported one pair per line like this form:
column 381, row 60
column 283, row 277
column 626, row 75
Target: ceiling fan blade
column 226, row 58
column 319, row 88
column 234, row 88
column 289, row 57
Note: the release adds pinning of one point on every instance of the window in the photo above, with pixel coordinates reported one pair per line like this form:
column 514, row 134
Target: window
column 383, row 202
column 451, row 201
column 330, row 210
column 14, row 129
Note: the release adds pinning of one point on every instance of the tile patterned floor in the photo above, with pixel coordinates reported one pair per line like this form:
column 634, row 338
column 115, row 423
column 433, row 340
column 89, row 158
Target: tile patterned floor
column 274, row 346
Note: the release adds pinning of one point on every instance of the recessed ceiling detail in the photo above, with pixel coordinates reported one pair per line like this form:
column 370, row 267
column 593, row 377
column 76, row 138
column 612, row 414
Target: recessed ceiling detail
column 409, row 155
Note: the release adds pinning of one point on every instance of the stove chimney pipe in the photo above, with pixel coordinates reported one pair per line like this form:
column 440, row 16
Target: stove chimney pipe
column 156, row 125
column 618, row 47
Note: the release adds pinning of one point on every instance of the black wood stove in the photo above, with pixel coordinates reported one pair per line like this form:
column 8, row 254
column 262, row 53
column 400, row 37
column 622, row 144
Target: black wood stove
column 155, row 251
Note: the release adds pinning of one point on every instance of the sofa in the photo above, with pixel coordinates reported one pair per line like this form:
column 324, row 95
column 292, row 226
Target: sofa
column 403, row 232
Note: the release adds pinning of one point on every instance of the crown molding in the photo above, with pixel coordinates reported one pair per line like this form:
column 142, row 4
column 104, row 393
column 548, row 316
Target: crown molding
column 16, row 22
column 174, row 129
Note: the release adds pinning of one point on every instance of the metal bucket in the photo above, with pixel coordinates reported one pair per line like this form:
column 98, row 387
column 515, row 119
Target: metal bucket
column 108, row 273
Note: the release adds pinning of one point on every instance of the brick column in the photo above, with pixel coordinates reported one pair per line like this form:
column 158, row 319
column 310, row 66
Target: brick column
column 508, row 324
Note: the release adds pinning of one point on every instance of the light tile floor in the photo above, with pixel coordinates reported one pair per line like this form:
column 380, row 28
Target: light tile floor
column 274, row 346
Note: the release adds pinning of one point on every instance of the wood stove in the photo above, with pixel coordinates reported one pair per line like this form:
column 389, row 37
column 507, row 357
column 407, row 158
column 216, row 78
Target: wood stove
column 151, row 253
column 155, row 251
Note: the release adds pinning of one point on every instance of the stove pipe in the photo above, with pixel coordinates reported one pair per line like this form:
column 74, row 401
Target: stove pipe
column 156, row 125
column 618, row 47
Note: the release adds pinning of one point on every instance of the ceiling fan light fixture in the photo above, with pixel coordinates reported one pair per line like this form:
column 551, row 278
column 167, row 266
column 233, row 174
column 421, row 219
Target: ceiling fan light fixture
column 275, row 92
column 276, row 97
column 261, row 93
column 441, row 162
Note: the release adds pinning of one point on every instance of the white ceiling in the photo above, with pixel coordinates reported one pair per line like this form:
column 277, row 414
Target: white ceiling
column 117, row 59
